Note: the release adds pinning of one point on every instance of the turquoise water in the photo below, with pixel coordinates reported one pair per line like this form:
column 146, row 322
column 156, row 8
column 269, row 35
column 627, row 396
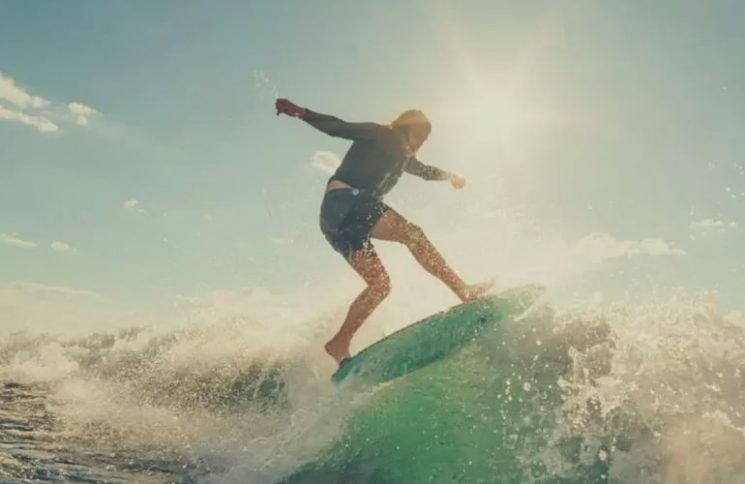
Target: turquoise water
column 476, row 417
column 616, row 393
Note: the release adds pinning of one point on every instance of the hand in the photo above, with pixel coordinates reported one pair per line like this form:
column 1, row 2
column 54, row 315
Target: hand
column 285, row 106
column 457, row 181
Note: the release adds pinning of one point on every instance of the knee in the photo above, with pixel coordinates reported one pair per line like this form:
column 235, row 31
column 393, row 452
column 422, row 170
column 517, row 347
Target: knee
column 414, row 235
column 380, row 285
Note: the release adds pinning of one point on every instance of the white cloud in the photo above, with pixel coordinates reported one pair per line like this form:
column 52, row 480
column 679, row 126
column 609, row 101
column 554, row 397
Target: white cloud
column 36, row 289
column 45, row 121
column 134, row 205
column 60, row 246
column 14, row 240
column 707, row 227
column 41, row 123
column 600, row 246
column 280, row 241
column 326, row 161
column 48, row 308
column 82, row 112
column 14, row 94
column 657, row 247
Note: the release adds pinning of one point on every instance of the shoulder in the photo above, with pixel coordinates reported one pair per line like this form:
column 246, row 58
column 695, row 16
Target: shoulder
column 383, row 133
column 373, row 134
column 382, row 130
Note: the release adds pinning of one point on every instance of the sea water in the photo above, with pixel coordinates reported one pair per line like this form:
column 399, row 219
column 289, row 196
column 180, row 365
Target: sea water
column 604, row 392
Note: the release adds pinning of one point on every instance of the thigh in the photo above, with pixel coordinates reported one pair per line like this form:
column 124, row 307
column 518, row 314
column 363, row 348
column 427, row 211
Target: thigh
column 391, row 226
column 366, row 211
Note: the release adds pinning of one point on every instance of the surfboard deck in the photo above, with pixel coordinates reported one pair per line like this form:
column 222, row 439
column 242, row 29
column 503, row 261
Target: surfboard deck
column 434, row 337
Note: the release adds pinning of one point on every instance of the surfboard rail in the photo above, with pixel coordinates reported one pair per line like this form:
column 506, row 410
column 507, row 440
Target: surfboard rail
column 434, row 337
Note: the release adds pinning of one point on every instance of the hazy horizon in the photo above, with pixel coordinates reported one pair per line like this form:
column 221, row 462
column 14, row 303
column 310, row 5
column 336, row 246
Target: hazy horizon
column 144, row 170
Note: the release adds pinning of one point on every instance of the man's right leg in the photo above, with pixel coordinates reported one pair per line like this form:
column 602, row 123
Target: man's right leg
column 368, row 265
column 393, row 227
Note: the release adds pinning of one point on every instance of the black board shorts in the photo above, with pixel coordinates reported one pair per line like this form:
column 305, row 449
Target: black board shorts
column 347, row 216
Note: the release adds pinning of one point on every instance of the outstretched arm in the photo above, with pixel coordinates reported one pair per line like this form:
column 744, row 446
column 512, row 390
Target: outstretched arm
column 428, row 172
column 328, row 124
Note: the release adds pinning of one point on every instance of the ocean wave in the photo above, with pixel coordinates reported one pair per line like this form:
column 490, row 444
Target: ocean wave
column 614, row 392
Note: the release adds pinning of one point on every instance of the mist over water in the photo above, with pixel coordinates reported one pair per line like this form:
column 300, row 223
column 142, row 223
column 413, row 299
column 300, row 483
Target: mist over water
column 606, row 379
column 166, row 293
column 609, row 392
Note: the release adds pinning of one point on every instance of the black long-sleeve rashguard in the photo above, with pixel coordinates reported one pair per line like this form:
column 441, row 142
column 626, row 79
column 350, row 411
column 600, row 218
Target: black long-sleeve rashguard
column 376, row 160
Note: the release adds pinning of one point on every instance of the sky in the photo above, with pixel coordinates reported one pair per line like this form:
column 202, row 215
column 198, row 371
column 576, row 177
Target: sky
column 142, row 164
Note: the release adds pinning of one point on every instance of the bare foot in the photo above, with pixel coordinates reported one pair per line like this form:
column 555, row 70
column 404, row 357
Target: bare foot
column 339, row 350
column 471, row 292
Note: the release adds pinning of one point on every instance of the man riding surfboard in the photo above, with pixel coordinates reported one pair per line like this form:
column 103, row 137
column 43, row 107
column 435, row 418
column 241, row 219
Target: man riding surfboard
column 353, row 211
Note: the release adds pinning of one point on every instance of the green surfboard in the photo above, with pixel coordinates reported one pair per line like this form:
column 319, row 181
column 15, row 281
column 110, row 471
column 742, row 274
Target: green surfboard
column 434, row 337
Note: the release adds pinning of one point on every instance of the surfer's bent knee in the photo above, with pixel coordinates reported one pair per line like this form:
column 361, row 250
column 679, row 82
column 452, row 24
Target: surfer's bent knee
column 414, row 234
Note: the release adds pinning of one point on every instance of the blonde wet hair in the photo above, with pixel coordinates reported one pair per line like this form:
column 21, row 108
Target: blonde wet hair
column 411, row 117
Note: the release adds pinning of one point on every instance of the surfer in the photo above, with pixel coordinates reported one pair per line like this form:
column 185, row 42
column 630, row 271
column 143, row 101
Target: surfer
column 353, row 211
